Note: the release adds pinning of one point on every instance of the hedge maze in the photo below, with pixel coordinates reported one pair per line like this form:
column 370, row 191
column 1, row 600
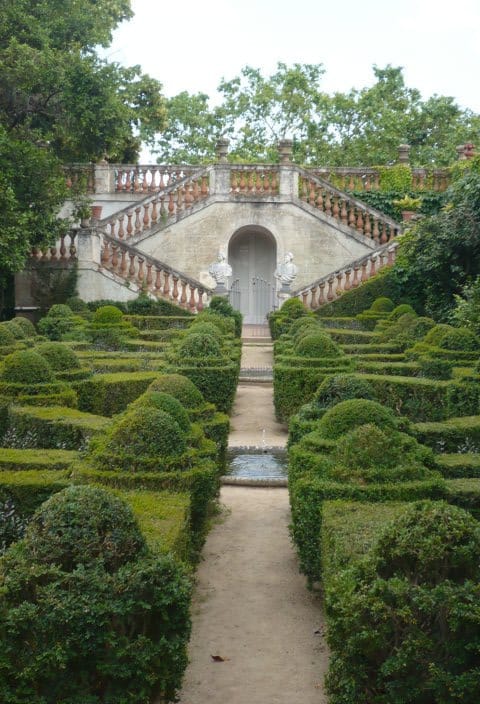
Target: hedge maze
column 383, row 407
column 113, row 437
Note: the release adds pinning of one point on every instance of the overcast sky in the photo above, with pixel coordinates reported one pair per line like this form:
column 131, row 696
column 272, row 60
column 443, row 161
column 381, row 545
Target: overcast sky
column 191, row 44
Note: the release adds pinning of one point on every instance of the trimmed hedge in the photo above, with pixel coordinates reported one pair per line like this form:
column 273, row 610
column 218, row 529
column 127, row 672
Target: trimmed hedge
column 28, row 489
column 452, row 435
column 108, row 394
column 53, row 426
column 359, row 299
column 52, row 394
column 13, row 460
column 295, row 386
column 217, row 383
column 459, row 466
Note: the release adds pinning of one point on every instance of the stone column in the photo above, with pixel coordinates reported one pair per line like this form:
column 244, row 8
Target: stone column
column 403, row 154
column 221, row 150
column 89, row 246
column 104, row 178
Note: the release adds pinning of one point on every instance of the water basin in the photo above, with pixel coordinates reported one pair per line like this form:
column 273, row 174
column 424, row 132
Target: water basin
column 256, row 464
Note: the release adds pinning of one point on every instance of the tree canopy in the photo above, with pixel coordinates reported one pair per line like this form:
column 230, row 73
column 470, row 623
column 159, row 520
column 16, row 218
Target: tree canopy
column 60, row 101
column 358, row 128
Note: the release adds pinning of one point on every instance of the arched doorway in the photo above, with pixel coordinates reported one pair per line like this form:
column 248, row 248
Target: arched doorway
column 252, row 254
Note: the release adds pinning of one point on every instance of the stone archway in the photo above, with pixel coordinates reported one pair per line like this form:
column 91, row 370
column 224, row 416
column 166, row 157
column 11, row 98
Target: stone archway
column 252, row 254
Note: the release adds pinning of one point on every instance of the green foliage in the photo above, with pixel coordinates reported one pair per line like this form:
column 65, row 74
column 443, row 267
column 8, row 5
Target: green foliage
column 436, row 334
column 435, row 368
column 398, row 311
column 346, row 415
column 318, row 344
column 141, row 435
column 216, row 382
column 15, row 329
column 342, row 387
column 165, row 402
column 357, row 300
column 382, row 305
column 407, row 329
column 452, row 435
column 224, row 323
column 81, row 525
column 6, row 336
column 220, row 305
column 205, row 328
column 180, row 387
column 60, row 357
column 108, row 315
column 58, row 321
column 198, row 345
column 15, row 459
column 401, row 625
column 108, row 394
column 467, row 307
column 26, row 367
column 26, row 325
column 143, row 305
column 459, row 339
column 395, row 178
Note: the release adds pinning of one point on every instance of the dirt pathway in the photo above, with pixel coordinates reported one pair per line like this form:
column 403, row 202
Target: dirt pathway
column 252, row 609
column 251, row 606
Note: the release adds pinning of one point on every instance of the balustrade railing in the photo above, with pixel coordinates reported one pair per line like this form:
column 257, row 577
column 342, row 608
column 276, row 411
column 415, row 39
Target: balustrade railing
column 161, row 208
column 80, row 177
column 348, row 211
column 330, row 287
column 140, row 178
column 368, row 179
column 63, row 251
column 152, row 275
column 254, row 179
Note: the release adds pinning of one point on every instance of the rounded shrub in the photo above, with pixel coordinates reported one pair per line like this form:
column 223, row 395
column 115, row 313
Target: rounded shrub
column 432, row 541
column 60, row 310
column 15, row 329
column 318, row 344
column 293, row 308
column 221, row 306
column 305, row 321
column 460, row 339
column 147, row 432
column 26, row 367
column 402, row 309
column 204, row 328
column 382, row 305
column 77, row 305
column 26, row 325
column 435, row 367
column 437, row 333
column 198, row 345
column 167, row 403
column 7, row 338
column 347, row 415
column 369, row 454
column 81, row 525
column 180, row 387
column 60, row 357
column 107, row 315
column 226, row 325
column 341, row 387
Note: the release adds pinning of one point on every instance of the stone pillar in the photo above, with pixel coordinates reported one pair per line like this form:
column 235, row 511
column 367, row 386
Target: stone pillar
column 403, row 154
column 104, row 178
column 288, row 177
column 285, row 149
column 221, row 150
column 89, row 246
column 465, row 151
column 220, row 180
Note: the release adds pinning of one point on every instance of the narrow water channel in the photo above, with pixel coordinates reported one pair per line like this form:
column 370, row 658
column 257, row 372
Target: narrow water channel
column 257, row 464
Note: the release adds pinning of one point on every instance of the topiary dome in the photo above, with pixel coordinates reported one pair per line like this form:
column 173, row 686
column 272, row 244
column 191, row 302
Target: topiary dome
column 347, row 415
column 180, row 387
column 318, row 344
column 60, row 357
column 26, row 367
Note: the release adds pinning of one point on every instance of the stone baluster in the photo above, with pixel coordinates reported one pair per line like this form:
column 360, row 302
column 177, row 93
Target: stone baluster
column 234, row 181
column 344, row 213
column 145, row 187
column 335, row 209
column 188, row 196
column 391, row 252
column 200, row 305
column 146, row 216
column 195, row 191
column 384, row 237
column 274, row 184
column 53, row 254
column 131, row 268
column 313, row 299
column 128, row 181
column 364, row 276
column 311, row 193
column 138, row 224
column 136, row 181
column 149, row 279
column 367, row 230
column 129, row 224
column 171, row 204
column 376, row 181
column 166, row 285
column 381, row 258
column 359, row 223
column 356, row 281
column 112, row 224
column 351, row 215
column 303, row 190
column 368, row 185
column 105, row 256
column 330, row 294
column 376, row 231
column 114, row 262
column 154, row 211
column 373, row 262
column 158, row 280
column 191, row 302
column 63, row 249
column 141, row 272
column 204, row 186
column 123, row 263
column 250, row 182
column 321, row 295
column 72, row 248
column 118, row 181
column 305, row 298
column 339, row 289
column 348, row 285
column 175, row 288
column 328, row 203
column 162, row 184
column 351, row 182
column 319, row 200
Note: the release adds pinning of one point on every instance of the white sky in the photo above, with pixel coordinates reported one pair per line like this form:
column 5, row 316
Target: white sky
column 191, row 44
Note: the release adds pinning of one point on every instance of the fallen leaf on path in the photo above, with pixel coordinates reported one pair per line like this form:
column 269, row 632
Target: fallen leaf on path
column 218, row 658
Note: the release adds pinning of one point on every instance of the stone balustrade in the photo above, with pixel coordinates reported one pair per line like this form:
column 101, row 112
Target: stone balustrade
column 163, row 207
column 368, row 179
column 348, row 211
column 80, row 177
column 330, row 287
column 63, row 251
column 139, row 178
column 152, row 275
column 254, row 179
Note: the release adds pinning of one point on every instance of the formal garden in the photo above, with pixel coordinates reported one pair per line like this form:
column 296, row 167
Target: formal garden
column 114, row 428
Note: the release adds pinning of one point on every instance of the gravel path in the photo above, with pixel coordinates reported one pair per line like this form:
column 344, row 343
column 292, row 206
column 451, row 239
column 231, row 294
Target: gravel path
column 252, row 609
